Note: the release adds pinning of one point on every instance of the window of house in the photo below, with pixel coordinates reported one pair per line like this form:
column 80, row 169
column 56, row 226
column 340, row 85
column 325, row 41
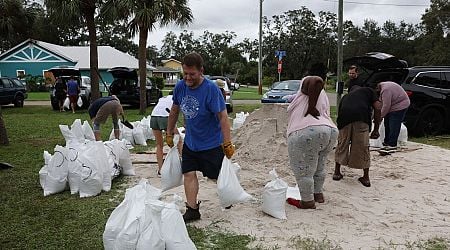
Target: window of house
column 20, row 73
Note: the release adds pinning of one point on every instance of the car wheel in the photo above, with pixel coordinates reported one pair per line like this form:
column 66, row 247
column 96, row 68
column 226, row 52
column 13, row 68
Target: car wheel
column 18, row 102
column 430, row 122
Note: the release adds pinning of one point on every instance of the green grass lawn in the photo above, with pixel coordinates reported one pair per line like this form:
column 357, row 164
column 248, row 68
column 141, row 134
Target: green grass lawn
column 38, row 96
column 247, row 94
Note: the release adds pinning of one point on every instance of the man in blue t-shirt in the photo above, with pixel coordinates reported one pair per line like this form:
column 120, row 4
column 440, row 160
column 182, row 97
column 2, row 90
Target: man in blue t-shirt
column 208, row 136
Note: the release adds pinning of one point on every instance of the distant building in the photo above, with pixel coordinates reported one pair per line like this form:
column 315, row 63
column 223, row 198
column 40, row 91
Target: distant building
column 170, row 71
column 33, row 57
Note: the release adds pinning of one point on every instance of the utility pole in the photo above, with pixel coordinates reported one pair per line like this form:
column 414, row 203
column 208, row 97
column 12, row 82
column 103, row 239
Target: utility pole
column 260, row 50
column 340, row 83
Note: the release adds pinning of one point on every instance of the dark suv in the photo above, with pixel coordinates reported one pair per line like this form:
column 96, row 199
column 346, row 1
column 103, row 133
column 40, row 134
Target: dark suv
column 12, row 91
column 428, row 88
column 126, row 87
column 65, row 73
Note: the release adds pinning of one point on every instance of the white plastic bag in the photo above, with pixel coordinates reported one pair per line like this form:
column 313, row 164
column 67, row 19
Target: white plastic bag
column 79, row 101
column 67, row 103
column 138, row 134
column 229, row 189
column 171, row 173
column 88, row 132
column 91, row 172
column 293, row 192
column 274, row 196
column 56, row 172
column 151, row 237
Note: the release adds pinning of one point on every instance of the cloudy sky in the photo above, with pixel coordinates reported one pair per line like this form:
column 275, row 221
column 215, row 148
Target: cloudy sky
column 242, row 16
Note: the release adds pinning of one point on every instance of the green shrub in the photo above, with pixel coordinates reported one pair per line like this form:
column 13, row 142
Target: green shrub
column 268, row 81
column 158, row 81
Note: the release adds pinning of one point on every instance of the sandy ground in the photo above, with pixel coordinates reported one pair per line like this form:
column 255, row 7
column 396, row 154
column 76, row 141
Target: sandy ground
column 409, row 199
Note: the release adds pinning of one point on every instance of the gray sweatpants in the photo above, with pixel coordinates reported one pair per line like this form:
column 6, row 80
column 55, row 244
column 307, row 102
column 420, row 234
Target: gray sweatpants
column 308, row 149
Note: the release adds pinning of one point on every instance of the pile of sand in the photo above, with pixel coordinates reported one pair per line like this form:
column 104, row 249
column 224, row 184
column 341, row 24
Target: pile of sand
column 408, row 201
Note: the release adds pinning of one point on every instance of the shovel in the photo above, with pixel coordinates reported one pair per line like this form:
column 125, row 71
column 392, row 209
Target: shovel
column 126, row 123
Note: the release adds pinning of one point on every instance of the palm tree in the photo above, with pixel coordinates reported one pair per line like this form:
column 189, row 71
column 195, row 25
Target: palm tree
column 66, row 11
column 142, row 16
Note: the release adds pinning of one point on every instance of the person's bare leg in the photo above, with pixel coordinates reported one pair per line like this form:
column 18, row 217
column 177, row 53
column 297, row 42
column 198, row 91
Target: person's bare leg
column 117, row 134
column 97, row 135
column 191, row 188
column 159, row 148
column 73, row 107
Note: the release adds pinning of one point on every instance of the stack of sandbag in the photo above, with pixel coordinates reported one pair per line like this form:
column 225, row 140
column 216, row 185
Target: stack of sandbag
column 239, row 120
column 139, row 135
column 402, row 138
column 88, row 166
column 142, row 221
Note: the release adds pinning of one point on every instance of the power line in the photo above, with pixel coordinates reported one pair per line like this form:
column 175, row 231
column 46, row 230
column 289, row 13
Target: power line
column 385, row 4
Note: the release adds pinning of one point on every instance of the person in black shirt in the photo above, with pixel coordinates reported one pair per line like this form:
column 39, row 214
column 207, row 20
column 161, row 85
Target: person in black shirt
column 60, row 93
column 354, row 80
column 354, row 123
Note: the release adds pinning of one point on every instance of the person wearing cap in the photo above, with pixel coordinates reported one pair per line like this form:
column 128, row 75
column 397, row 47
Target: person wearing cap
column 221, row 84
column 100, row 109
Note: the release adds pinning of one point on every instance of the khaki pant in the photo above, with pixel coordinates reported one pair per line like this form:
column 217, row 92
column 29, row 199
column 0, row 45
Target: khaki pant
column 353, row 146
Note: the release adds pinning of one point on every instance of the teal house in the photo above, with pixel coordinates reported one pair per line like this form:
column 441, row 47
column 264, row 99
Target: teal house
column 33, row 57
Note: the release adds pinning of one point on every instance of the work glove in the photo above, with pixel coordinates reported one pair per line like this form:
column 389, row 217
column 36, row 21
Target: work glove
column 228, row 149
column 169, row 140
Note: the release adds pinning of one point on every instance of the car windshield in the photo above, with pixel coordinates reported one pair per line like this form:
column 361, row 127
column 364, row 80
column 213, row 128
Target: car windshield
column 287, row 85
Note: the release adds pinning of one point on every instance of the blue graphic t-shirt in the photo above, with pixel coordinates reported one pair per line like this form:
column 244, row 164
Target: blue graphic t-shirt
column 200, row 107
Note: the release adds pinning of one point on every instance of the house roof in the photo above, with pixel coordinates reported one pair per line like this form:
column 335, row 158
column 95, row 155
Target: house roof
column 108, row 56
column 168, row 60
column 161, row 69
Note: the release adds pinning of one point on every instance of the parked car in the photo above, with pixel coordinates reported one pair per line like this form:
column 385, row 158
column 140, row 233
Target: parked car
column 228, row 92
column 428, row 88
column 126, row 87
column 279, row 89
column 12, row 91
column 65, row 73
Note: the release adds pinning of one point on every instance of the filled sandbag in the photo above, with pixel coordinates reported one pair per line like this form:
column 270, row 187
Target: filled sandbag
column 56, row 172
column 171, row 172
column 274, row 196
column 174, row 229
column 88, row 132
column 229, row 189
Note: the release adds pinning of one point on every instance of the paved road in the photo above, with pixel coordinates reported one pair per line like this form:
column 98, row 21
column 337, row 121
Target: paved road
column 331, row 97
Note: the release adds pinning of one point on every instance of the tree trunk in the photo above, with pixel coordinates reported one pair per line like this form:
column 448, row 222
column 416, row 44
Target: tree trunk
column 142, row 57
column 3, row 135
column 93, row 60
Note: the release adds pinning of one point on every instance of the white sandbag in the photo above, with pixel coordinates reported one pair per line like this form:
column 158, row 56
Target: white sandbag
column 293, row 192
column 57, row 170
column 66, row 103
column 274, row 196
column 401, row 141
column 79, row 102
column 75, row 166
column 103, row 164
column 145, row 124
column 151, row 237
column 127, row 134
column 131, row 208
column 91, row 173
column 228, row 187
column 125, row 160
column 239, row 120
column 77, row 129
column 114, row 150
column 88, row 132
column 44, row 170
column 138, row 134
column 174, row 229
column 171, row 173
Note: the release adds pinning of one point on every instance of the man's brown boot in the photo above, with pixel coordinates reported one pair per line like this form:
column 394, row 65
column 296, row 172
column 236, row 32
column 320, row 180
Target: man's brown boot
column 318, row 197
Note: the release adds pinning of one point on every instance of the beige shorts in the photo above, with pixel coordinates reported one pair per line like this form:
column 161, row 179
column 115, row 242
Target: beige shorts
column 353, row 146
column 112, row 108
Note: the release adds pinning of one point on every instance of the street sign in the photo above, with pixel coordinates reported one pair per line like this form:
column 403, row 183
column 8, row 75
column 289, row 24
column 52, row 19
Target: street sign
column 280, row 66
column 280, row 54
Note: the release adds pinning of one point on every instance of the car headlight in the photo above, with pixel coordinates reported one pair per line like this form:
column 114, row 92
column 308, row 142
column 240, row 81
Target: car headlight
column 265, row 96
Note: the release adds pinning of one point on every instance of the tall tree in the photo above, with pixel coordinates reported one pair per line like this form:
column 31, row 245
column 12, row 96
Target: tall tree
column 142, row 16
column 83, row 10
column 14, row 20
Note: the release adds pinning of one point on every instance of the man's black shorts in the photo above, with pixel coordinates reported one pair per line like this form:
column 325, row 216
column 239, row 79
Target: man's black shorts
column 209, row 162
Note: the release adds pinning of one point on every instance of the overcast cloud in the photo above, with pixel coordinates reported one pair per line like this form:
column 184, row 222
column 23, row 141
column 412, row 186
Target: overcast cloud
column 242, row 16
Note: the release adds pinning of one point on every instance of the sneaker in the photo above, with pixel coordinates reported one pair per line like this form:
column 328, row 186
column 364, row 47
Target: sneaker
column 192, row 214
